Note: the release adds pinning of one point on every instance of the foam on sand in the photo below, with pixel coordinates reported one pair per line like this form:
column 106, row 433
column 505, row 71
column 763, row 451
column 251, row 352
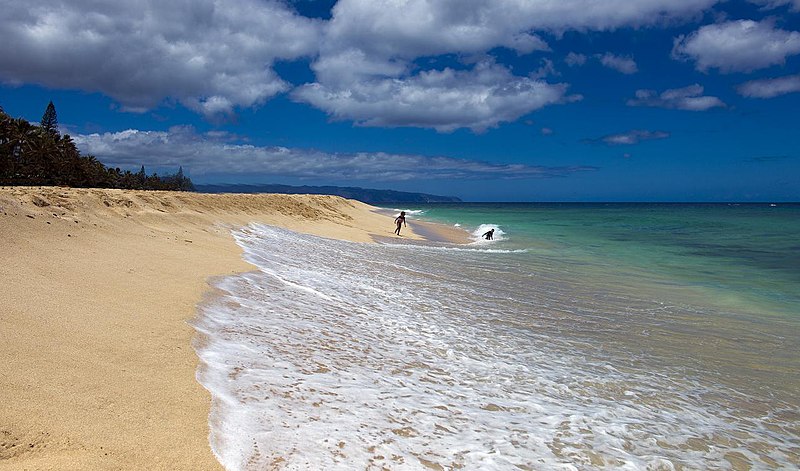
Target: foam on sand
column 96, row 286
column 336, row 355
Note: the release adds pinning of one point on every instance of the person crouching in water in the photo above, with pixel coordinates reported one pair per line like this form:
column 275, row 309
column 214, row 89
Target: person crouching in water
column 400, row 221
column 489, row 235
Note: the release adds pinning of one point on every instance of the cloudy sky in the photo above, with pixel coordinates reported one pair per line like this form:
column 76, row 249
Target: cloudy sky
column 502, row 100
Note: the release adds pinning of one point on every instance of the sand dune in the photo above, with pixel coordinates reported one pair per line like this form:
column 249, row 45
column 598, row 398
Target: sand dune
column 97, row 285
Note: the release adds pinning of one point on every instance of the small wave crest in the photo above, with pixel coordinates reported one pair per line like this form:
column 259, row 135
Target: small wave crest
column 409, row 212
column 477, row 234
column 470, row 248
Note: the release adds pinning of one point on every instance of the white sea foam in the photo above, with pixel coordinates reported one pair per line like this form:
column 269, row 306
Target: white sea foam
column 447, row 248
column 409, row 212
column 477, row 234
column 336, row 355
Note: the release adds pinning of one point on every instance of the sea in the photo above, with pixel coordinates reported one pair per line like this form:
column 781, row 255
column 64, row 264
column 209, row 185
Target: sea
column 584, row 336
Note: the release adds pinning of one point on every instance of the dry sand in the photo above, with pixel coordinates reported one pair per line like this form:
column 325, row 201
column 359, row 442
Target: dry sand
column 96, row 287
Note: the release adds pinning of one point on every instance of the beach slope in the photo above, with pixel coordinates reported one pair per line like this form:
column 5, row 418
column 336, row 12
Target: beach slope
column 97, row 288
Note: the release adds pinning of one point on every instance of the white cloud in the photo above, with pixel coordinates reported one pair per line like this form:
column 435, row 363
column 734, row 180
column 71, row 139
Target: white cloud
column 204, row 155
column 574, row 59
column 769, row 88
column 215, row 56
column 689, row 98
column 547, row 69
column 625, row 65
column 443, row 100
column 409, row 29
column 414, row 28
column 366, row 70
column 770, row 4
column 212, row 56
column 737, row 46
column 622, row 64
column 631, row 137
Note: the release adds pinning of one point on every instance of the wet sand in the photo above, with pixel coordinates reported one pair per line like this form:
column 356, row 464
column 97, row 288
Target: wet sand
column 98, row 286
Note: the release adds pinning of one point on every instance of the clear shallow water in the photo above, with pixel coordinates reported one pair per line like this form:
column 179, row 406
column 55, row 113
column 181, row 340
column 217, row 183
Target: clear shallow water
column 527, row 353
column 749, row 252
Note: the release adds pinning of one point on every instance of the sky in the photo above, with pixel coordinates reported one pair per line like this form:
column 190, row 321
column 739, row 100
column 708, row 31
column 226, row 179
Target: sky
column 502, row 100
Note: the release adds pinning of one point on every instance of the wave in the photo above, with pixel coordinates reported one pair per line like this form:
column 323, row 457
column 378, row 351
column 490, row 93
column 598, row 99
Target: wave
column 470, row 248
column 477, row 234
column 337, row 355
column 409, row 212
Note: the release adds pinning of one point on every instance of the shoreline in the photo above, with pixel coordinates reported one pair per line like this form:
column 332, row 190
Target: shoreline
column 100, row 288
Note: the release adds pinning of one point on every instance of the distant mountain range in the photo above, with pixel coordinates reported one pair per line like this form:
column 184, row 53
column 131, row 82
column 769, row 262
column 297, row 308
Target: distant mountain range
column 366, row 195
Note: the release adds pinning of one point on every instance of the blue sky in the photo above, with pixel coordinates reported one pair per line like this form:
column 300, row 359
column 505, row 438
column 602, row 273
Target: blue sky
column 509, row 100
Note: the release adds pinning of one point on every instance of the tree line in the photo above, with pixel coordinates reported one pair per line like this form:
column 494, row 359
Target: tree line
column 40, row 155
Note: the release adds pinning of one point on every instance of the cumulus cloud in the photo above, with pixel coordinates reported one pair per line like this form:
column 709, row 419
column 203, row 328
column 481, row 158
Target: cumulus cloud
column 366, row 70
column 202, row 155
column 573, row 59
column 737, row 46
column 211, row 56
column 443, row 100
column 769, row 88
column 547, row 69
column 629, row 138
column 689, row 98
column 771, row 4
column 416, row 28
column 215, row 56
column 623, row 64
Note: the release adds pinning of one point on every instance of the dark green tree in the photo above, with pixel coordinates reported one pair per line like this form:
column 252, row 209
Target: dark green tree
column 6, row 147
column 50, row 119
column 39, row 155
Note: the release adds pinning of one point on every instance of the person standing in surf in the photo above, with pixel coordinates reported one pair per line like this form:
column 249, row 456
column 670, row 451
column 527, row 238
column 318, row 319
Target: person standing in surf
column 489, row 235
column 400, row 221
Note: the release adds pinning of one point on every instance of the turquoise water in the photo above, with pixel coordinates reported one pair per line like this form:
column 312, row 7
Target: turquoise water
column 659, row 337
column 746, row 254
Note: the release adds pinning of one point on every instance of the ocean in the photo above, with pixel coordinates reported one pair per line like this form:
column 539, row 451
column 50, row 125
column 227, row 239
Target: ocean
column 585, row 336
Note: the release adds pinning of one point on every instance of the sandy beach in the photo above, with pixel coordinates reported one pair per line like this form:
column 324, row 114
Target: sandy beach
column 97, row 289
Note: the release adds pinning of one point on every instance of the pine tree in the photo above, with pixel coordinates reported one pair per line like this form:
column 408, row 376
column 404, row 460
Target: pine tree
column 50, row 119
column 183, row 183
